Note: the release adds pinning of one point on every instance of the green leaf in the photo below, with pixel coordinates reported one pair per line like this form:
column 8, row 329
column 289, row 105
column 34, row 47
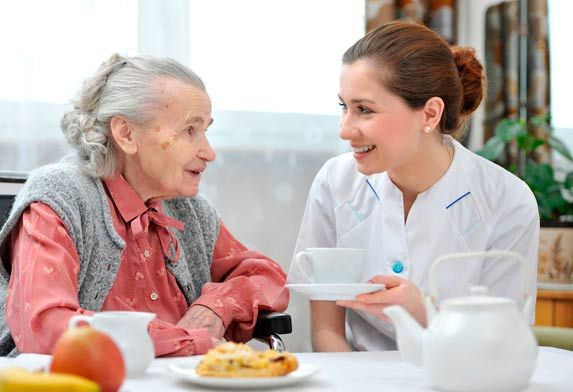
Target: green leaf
column 542, row 120
column 492, row 149
column 554, row 199
column 545, row 212
column 568, row 182
column 527, row 142
column 539, row 176
column 536, row 143
column 560, row 147
column 508, row 130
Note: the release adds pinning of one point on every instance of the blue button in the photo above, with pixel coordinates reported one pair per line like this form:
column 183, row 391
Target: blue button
column 397, row 266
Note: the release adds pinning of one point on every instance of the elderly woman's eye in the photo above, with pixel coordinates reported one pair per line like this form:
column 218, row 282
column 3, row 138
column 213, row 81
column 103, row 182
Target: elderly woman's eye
column 190, row 130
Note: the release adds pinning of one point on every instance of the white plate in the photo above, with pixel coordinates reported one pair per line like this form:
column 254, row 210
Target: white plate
column 186, row 371
column 335, row 291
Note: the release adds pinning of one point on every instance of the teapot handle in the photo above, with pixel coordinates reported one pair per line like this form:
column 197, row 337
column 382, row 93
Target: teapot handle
column 505, row 253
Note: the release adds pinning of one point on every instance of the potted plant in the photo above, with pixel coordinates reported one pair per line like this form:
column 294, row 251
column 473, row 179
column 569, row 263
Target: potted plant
column 553, row 190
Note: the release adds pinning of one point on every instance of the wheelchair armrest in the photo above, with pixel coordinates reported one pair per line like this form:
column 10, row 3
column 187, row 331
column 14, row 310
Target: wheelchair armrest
column 272, row 324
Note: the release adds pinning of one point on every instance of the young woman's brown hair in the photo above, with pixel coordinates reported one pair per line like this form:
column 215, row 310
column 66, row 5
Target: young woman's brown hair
column 416, row 64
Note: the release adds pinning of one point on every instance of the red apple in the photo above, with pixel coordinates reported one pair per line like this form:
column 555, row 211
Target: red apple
column 92, row 354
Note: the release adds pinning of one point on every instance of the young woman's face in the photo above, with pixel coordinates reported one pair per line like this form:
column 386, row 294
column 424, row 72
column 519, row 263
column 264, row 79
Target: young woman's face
column 384, row 132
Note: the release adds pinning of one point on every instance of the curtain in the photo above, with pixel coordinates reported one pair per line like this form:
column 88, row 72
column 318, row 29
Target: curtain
column 436, row 14
column 538, row 90
column 502, row 65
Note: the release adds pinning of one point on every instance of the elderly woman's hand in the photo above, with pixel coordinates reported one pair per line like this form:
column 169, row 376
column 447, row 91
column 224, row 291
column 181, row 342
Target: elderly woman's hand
column 199, row 316
column 216, row 342
column 398, row 292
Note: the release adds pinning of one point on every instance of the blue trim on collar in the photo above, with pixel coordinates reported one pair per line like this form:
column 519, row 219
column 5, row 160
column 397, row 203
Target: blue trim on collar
column 373, row 190
column 458, row 199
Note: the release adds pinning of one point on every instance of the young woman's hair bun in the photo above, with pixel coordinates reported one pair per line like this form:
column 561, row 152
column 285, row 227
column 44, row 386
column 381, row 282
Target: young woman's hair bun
column 472, row 78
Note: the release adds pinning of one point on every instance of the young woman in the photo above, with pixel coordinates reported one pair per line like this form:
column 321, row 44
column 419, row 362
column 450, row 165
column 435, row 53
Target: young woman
column 409, row 192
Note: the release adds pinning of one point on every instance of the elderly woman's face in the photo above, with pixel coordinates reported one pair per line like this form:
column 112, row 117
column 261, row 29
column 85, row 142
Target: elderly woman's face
column 172, row 150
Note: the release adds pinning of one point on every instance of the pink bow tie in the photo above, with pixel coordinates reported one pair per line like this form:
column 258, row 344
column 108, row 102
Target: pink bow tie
column 140, row 225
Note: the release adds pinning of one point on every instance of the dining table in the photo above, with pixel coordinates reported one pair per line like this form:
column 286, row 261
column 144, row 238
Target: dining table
column 352, row 371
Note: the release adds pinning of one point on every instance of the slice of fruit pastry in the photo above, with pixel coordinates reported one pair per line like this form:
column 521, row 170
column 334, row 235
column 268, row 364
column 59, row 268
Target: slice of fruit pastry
column 240, row 360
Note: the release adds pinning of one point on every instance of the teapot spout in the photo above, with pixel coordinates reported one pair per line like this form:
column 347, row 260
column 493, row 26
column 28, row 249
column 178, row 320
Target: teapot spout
column 409, row 334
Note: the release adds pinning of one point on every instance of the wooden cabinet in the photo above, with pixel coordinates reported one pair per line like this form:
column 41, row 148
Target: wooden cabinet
column 554, row 308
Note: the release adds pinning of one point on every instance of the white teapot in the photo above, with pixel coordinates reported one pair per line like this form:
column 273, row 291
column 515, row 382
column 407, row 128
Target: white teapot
column 476, row 343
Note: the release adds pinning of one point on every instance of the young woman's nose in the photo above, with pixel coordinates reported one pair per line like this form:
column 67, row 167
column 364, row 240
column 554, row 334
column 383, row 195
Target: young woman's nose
column 348, row 128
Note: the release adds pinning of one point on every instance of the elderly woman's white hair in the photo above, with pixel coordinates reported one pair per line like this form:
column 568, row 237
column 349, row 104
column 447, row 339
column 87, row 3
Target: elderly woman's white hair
column 122, row 86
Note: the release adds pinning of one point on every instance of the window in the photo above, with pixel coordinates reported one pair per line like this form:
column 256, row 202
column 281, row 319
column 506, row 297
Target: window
column 271, row 67
column 560, row 66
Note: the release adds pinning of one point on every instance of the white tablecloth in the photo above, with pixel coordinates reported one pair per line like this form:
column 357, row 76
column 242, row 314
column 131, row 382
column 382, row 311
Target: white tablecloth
column 357, row 371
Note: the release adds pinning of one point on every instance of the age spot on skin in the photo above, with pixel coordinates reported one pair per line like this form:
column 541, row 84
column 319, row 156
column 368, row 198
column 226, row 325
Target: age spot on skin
column 167, row 143
column 157, row 128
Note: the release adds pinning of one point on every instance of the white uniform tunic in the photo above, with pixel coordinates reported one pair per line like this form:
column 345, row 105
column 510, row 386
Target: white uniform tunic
column 475, row 206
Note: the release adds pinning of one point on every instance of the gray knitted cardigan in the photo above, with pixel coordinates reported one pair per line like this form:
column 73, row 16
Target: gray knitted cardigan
column 81, row 202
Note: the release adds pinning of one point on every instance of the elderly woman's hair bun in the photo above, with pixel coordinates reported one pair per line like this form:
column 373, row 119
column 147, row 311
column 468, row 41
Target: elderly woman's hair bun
column 91, row 138
column 122, row 86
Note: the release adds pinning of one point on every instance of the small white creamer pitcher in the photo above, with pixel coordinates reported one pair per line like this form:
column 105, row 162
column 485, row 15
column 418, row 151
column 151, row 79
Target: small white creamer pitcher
column 128, row 330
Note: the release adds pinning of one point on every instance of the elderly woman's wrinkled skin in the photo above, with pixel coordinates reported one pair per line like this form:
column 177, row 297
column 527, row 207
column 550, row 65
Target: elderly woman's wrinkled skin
column 165, row 157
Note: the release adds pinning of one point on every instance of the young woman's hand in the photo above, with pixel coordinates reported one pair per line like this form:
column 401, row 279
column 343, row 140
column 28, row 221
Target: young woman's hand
column 398, row 291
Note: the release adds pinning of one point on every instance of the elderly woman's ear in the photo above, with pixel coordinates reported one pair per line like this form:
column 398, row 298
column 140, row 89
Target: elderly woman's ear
column 123, row 132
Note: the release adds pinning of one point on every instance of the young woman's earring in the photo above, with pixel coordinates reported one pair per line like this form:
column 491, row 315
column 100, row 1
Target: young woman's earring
column 427, row 129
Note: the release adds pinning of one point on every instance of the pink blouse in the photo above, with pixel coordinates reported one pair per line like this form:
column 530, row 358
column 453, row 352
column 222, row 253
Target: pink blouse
column 43, row 290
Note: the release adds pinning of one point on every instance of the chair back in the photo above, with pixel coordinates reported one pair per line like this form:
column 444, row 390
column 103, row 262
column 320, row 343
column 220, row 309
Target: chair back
column 5, row 205
column 10, row 182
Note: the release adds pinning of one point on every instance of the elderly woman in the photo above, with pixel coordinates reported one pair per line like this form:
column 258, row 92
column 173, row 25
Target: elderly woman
column 119, row 224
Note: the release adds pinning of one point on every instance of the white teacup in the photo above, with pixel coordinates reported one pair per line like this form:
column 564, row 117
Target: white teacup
column 128, row 330
column 331, row 265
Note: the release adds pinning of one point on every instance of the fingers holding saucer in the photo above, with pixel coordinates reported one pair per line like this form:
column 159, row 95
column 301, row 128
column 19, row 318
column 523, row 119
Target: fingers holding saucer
column 374, row 309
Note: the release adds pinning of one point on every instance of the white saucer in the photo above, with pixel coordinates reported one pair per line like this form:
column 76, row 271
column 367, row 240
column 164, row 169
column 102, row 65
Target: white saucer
column 186, row 371
column 335, row 291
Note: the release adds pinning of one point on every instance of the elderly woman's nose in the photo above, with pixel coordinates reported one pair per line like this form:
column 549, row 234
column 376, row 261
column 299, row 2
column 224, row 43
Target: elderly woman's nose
column 206, row 152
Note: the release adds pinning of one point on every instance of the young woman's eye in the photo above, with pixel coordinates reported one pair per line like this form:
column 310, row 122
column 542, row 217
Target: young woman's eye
column 342, row 105
column 364, row 110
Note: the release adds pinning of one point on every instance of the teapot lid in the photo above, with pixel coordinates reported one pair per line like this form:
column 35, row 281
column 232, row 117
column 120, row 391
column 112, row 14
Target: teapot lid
column 478, row 298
